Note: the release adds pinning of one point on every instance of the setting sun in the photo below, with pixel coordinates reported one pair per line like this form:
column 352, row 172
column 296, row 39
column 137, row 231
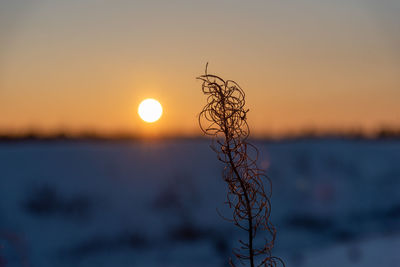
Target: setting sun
column 150, row 110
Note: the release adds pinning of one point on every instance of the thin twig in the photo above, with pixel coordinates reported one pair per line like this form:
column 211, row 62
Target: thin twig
column 224, row 118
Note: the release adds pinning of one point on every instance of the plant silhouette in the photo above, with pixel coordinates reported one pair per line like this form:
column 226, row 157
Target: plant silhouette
column 224, row 118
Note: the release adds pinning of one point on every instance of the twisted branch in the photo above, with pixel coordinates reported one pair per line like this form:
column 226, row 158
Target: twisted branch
column 224, row 118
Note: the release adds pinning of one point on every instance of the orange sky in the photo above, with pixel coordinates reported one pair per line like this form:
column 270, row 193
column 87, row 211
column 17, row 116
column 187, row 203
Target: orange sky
column 86, row 65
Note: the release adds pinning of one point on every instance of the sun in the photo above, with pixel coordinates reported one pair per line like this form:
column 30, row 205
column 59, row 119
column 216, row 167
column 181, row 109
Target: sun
column 150, row 110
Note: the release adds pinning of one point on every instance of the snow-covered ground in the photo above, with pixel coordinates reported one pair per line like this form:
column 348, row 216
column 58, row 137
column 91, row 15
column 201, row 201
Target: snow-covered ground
column 335, row 203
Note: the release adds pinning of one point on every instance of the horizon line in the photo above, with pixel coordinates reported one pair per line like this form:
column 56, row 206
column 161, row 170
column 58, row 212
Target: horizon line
column 379, row 134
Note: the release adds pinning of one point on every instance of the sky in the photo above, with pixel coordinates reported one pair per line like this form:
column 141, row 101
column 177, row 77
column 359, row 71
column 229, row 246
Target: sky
column 86, row 65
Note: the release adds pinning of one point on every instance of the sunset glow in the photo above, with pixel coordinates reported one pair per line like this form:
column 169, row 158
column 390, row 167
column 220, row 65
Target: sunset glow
column 150, row 110
column 321, row 65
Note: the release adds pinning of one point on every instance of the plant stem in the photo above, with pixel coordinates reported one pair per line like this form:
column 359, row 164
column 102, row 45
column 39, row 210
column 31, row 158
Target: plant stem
column 242, row 185
column 246, row 197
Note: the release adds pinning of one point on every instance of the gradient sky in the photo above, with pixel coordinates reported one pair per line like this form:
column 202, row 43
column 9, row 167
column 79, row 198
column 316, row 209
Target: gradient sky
column 85, row 65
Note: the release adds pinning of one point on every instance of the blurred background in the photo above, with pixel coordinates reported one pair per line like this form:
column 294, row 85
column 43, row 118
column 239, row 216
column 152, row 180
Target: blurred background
column 85, row 182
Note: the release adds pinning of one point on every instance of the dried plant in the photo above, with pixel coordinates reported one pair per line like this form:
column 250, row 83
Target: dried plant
column 224, row 118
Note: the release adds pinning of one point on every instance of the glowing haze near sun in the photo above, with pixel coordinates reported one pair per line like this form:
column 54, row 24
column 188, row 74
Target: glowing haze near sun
column 150, row 110
column 322, row 65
